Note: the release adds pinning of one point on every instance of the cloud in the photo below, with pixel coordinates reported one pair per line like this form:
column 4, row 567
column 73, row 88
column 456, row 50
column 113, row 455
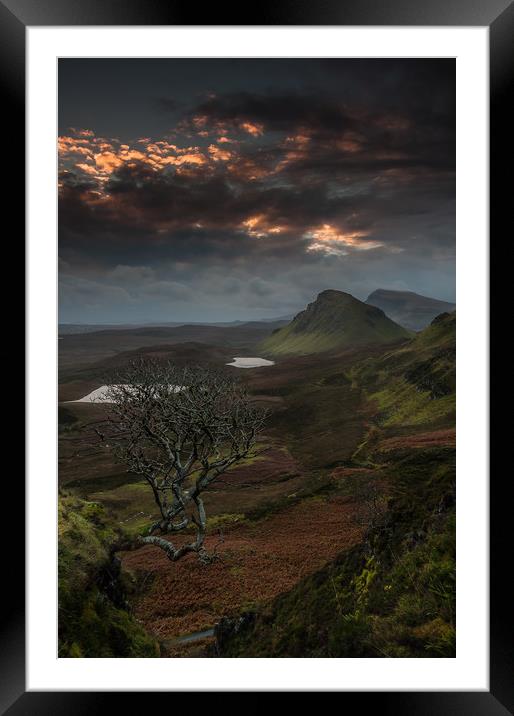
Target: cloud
column 267, row 194
column 78, row 292
column 329, row 239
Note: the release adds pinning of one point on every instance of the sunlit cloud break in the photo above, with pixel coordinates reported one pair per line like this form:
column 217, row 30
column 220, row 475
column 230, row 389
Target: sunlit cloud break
column 239, row 189
column 331, row 240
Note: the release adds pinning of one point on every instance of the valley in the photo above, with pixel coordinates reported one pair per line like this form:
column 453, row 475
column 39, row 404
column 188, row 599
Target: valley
column 78, row 350
column 351, row 488
column 256, row 348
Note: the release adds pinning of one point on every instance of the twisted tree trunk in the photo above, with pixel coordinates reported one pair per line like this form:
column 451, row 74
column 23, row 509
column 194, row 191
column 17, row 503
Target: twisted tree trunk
column 180, row 429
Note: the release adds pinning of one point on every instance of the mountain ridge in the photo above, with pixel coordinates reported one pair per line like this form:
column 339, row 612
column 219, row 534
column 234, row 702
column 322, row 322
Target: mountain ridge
column 335, row 319
column 407, row 308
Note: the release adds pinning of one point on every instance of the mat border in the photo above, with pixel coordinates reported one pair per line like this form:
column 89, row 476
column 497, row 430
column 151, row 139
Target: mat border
column 498, row 15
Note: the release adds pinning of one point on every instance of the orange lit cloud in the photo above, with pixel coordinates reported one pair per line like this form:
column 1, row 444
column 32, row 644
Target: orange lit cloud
column 295, row 148
column 253, row 128
column 88, row 168
column 72, row 144
column 99, row 157
column 204, row 126
column 329, row 239
column 84, row 133
column 193, row 157
column 260, row 227
column 107, row 161
column 219, row 155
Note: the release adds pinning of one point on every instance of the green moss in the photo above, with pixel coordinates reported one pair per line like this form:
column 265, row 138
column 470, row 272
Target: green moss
column 361, row 582
column 218, row 521
column 75, row 651
column 285, row 342
column 392, row 596
column 413, row 385
column 93, row 616
column 400, row 403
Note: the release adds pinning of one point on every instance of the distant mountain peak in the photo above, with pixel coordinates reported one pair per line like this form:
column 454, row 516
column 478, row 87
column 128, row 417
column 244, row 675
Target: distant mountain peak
column 333, row 294
column 409, row 309
column 391, row 292
column 336, row 319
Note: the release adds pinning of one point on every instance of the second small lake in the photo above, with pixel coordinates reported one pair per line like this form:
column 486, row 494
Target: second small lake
column 240, row 362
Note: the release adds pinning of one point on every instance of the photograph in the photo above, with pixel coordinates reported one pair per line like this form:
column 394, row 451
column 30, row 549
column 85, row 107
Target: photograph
column 256, row 357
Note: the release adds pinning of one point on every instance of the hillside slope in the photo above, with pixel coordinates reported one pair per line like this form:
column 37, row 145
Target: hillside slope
column 392, row 595
column 414, row 385
column 93, row 616
column 409, row 309
column 334, row 320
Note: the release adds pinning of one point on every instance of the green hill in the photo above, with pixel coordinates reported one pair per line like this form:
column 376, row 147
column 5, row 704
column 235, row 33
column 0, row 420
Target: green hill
column 392, row 595
column 414, row 385
column 334, row 320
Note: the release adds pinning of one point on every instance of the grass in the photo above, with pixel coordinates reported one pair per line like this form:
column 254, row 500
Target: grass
column 400, row 403
column 286, row 342
column 218, row 521
column 413, row 385
column 390, row 595
column 131, row 505
column 291, row 341
column 130, row 502
column 393, row 595
column 93, row 616
column 321, row 422
column 335, row 319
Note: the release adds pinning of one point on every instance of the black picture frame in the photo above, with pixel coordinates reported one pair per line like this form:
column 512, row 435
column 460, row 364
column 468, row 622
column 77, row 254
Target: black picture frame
column 498, row 15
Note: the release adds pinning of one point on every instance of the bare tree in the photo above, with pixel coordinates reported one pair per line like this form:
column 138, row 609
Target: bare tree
column 180, row 428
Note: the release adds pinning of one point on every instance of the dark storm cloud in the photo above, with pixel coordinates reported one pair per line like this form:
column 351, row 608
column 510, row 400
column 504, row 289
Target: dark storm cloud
column 278, row 112
column 168, row 104
column 267, row 193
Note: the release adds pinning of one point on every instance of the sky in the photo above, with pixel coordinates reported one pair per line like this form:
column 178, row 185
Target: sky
column 235, row 189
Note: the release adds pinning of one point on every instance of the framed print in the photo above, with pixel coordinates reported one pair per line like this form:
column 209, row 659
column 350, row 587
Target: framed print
column 258, row 434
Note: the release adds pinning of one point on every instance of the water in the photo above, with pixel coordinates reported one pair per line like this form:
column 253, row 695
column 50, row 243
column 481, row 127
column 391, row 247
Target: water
column 99, row 395
column 240, row 362
column 195, row 636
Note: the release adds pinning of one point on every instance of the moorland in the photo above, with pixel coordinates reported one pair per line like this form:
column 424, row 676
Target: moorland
column 337, row 538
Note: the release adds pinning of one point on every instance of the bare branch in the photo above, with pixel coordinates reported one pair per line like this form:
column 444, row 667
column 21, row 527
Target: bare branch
column 180, row 429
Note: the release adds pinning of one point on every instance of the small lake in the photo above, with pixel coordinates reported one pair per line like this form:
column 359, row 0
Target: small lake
column 100, row 394
column 240, row 362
